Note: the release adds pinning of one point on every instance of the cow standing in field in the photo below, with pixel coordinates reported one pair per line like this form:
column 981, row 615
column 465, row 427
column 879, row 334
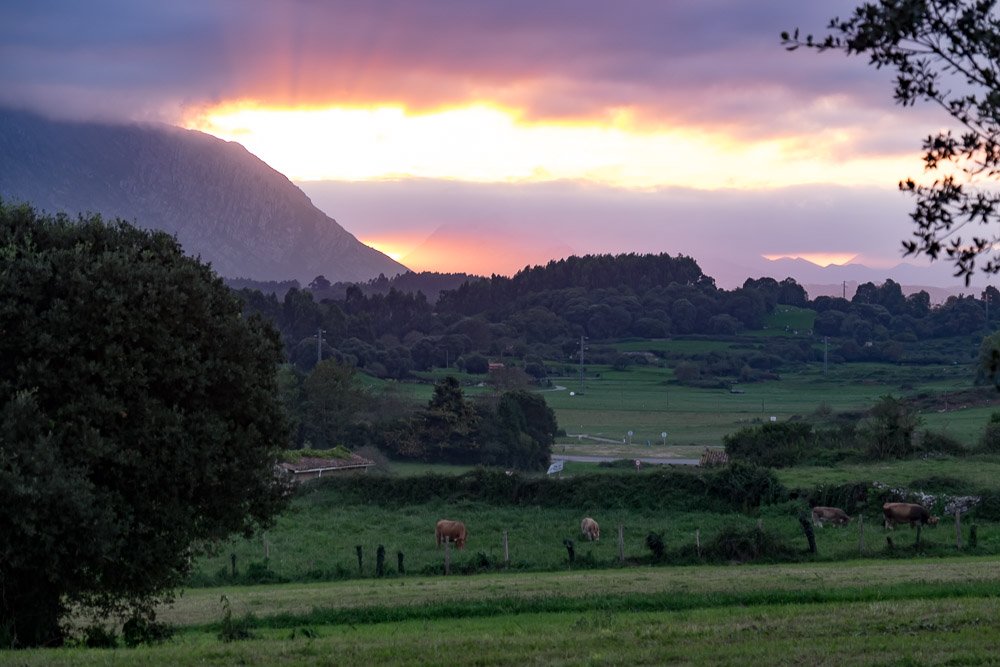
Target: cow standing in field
column 833, row 515
column 910, row 513
column 590, row 529
column 451, row 531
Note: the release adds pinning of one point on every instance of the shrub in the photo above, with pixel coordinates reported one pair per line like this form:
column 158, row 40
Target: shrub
column 988, row 508
column 98, row 636
column 654, row 542
column 743, row 545
column 989, row 441
column 231, row 629
column 774, row 444
column 260, row 572
column 745, row 485
column 139, row 630
column 937, row 442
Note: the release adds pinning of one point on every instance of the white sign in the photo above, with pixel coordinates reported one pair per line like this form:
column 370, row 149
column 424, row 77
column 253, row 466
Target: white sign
column 663, row 435
column 555, row 467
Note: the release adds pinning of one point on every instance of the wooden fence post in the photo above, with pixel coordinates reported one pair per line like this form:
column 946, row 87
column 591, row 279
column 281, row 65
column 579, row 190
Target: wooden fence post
column 958, row 529
column 861, row 534
column 447, row 556
column 621, row 543
column 697, row 541
column 506, row 549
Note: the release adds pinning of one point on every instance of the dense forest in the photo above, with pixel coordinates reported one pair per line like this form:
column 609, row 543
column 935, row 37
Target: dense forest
column 390, row 328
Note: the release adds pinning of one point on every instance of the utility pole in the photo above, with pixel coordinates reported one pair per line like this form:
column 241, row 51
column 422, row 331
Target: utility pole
column 826, row 348
column 582, row 338
column 844, row 289
column 319, row 345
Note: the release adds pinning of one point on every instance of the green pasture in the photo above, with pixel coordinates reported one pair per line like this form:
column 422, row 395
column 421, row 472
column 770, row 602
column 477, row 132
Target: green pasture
column 943, row 611
column 317, row 537
column 645, row 400
column 977, row 472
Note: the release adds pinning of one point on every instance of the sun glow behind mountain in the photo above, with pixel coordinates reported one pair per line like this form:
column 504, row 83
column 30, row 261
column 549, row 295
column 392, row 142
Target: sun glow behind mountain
column 818, row 258
column 487, row 143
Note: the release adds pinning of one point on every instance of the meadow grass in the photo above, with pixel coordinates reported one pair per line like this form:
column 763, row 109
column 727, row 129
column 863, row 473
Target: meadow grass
column 646, row 401
column 904, row 612
column 317, row 537
column 977, row 472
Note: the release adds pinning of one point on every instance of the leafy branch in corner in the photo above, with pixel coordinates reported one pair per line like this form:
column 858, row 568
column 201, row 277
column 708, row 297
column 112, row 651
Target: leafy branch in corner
column 946, row 52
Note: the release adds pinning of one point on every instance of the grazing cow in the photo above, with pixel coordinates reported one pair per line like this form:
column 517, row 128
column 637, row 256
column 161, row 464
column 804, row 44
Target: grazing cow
column 590, row 529
column 833, row 515
column 451, row 531
column 907, row 513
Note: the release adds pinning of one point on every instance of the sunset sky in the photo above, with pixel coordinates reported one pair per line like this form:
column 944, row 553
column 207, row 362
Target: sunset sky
column 483, row 136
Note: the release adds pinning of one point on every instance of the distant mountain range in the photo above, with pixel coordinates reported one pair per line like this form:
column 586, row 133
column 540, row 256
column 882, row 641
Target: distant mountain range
column 221, row 202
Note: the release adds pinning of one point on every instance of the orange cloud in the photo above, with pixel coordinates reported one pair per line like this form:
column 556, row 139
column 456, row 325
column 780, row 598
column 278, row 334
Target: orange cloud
column 484, row 142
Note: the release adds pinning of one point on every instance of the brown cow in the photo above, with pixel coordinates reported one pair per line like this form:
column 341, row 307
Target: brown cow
column 910, row 513
column 451, row 531
column 833, row 515
column 590, row 529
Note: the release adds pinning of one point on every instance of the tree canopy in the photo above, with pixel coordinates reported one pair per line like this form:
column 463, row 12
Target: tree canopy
column 946, row 52
column 139, row 418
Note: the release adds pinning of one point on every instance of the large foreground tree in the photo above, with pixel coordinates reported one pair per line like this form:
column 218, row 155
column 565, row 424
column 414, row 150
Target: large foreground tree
column 139, row 419
column 946, row 52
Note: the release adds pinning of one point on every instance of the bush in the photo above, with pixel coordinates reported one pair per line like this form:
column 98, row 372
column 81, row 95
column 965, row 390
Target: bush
column 98, row 636
column 260, row 572
column 231, row 629
column 138, row 631
column 936, row 442
column 988, row 508
column 989, row 441
column 746, row 486
column 737, row 486
column 654, row 542
column 743, row 545
column 774, row 444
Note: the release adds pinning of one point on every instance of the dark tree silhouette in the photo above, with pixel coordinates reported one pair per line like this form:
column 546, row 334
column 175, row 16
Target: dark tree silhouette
column 946, row 52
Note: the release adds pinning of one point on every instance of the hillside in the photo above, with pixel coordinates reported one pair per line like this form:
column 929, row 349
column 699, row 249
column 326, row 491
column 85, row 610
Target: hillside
column 221, row 202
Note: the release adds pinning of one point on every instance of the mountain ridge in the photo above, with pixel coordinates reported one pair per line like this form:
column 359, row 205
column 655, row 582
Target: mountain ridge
column 220, row 201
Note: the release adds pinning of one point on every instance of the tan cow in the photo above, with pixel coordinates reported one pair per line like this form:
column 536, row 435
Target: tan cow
column 590, row 529
column 910, row 513
column 833, row 515
column 451, row 531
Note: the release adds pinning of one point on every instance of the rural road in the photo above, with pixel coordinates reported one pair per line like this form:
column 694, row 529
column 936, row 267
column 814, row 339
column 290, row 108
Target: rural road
column 644, row 459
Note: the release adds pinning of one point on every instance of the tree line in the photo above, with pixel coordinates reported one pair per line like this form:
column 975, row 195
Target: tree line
column 539, row 315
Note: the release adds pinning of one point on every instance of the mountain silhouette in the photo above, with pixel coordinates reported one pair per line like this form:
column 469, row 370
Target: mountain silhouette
column 221, row 202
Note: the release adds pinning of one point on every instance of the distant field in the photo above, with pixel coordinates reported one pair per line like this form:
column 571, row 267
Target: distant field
column 647, row 400
column 643, row 400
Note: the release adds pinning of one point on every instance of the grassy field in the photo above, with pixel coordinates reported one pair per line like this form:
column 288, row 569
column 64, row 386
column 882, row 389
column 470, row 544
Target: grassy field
column 648, row 401
column 317, row 537
column 643, row 400
column 944, row 611
column 975, row 472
